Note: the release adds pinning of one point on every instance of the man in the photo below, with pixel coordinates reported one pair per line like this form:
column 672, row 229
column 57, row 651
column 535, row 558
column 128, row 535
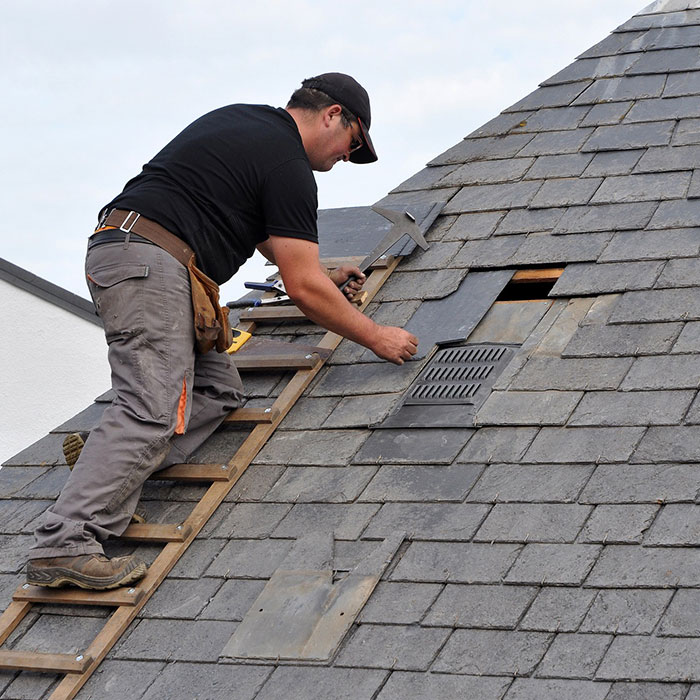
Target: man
column 236, row 179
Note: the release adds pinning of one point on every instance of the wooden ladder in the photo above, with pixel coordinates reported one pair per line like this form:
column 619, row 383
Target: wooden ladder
column 127, row 602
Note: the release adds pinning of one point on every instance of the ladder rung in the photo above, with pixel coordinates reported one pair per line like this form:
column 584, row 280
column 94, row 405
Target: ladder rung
column 195, row 472
column 282, row 361
column 78, row 596
column 252, row 415
column 37, row 661
column 268, row 313
column 153, row 532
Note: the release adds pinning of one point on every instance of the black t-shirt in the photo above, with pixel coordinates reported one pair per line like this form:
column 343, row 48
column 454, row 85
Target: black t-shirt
column 225, row 183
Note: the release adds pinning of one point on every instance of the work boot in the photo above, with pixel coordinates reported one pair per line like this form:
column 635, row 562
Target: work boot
column 73, row 445
column 93, row 571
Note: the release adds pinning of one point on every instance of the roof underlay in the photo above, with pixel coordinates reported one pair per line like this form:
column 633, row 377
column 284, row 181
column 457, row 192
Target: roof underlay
column 551, row 543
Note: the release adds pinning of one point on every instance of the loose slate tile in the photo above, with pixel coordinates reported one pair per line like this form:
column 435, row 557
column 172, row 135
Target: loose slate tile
column 557, row 142
column 448, row 483
column 530, row 483
column 313, row 683
column 640, row 245
column 649, row 691
column 618, row 524
column 399, row 603
column 491, row 252
column 346, row 521
column 527, row 408
column 682, row 619
column 429, row 446
column 490, row 607
column 642, row 483
column 548, row 249
column 249, row 559
column 675, row 214
column 675, row 525
column 638, row 188
column 320, row 484
column 623, row 340
column 491, row 197
column 687, row 132
column 176, row 599
column 625, row 88
column 320, row 447
column 483, row 172
column 680, row 444
column 474, row 226
column 544, row 689
column 607, row 217
column 232, row 600
column 668, row 159
column 406, row 648
column 574, row 655
column 211, row 681
column 589, row 374
column 490, row 445
column 492, row 652
column 651, row 658
column 667, row 372
column 455, row 562
column 541, row 522
column 561, row 564
column 663, row 108
column 564, row 192
column 608, row 163
column 418, row 285
column 427, row 521
column 558, row 609
column 567, row 445
column 632, row 408
column 565, row 165
column 608, row 113
column 626, row 611
column 415, row 686
column 551, row 96
column 631, row 566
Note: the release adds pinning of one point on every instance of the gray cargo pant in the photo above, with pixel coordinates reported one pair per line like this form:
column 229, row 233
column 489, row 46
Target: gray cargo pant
column 169, row 399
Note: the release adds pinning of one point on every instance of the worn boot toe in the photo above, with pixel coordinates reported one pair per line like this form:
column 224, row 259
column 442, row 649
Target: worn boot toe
column 92, row 571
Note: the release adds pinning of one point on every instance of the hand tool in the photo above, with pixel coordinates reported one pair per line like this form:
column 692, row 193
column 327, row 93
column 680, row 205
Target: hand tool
column 267, row 286
column 404, row 224
column 239, row 339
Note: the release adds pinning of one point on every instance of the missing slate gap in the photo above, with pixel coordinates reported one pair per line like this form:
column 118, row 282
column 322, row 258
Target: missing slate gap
column 531, row 284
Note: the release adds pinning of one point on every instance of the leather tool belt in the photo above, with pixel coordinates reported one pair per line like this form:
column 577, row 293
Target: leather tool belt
column 211, row 324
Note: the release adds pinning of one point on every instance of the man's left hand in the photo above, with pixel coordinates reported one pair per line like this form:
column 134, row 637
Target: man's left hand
column 344, row 272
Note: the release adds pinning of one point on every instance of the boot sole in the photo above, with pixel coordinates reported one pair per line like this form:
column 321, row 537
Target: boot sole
column 57, row 577
column 72, row 446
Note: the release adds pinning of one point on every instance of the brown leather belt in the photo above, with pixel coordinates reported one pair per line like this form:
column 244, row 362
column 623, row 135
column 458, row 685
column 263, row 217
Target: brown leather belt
column 131, row 222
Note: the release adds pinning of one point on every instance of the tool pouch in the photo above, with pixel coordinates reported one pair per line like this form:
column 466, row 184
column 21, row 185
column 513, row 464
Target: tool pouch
column 211, row 326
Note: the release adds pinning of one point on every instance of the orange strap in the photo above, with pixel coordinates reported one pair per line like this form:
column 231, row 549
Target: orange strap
column 181, row 406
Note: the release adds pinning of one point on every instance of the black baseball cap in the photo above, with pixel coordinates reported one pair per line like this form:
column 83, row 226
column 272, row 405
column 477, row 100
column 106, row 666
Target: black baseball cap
column 351, row 95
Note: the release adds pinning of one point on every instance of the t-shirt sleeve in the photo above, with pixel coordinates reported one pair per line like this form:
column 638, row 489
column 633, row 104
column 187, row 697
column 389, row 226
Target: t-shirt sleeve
column 290, row 201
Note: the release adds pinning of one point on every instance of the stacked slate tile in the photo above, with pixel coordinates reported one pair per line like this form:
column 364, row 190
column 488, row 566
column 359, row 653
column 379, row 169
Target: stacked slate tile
column 552, row 541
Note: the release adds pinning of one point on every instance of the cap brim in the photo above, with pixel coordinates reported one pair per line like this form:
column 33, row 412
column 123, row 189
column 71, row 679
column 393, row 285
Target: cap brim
column 366, row 154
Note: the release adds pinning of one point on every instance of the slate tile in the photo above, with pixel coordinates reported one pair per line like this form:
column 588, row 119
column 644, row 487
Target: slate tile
column 651, row 658
column 689, row 339
column 59, row 634
column 561, row 564
column 558, row 609
column 681, row 444
column 623, row 340
column 641, row 483
column 399, row 603
column 428, row 521
column 609, row 163
column 566, row 445
column 492, row 652
column 574, row 655
column 539, row 249
column 641, row 245
column 637, row 188
column 408, row 199
column 564, row 192
column 491, row 252
column 694, row 188
column 589, row 374
column 87, row 419
column 541, row 522
column 681, row 84
column 220, row 447
column 455, row 562
column 618, row 524
column 416, row 686
column 26, row 685
column 46, row 452
column 14, row 479
column 615, row 43
column 606, row 217
column 679, row 273
column 663, row 372
column 530, row 483
column 483, row 149
column 409, row 483
column 565, row 165
column 492, row 197
column 594, row 68
column 626, row 611
column 632, row 408
column 369, row 378
column 682, row 618
column 308, row 413
column 251, row 520
column 666, row 61
column 429, row 446
column 503, row 124
column 232, row 600
column 404, row 648
column 256, row 481
column 474, row 226
column 249, row 559
column 317, row 683
column 550, row 96
column 663, row 108
column 418, row 285
column 177, row 599
column 529, row 221
column 648, row 691
column 693, row 415
column 19, row 516
column 676, row 213
column 490, row 607
column 556, row 142
column 607, row 113
column 675, row 525
column 8, row 585
column 667, row 159
column 563, row 325
column 625, row 137
column 553, row 119
column 13, row 552
column 320, row 484
column 527, row 408
column 361, row 411
column 437, row 257
column 490, row 445
column 320, row 447
column 346, row 522
column 632, row 566
column 687, row 132
column 545, row 689
column 481, row 172
column 624, row 88
column 425, row 179
column 197, row 558
column 211, row 681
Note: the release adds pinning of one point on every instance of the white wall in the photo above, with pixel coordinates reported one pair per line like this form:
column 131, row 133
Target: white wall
column 52, row 365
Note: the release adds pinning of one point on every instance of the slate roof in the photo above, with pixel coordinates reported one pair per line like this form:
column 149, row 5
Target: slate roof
column 552, row 547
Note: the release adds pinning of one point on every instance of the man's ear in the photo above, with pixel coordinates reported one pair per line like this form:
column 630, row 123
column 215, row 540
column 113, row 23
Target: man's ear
column 331, row 112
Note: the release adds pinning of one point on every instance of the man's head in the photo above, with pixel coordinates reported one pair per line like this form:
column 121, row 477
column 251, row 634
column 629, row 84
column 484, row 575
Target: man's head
column 335, row 102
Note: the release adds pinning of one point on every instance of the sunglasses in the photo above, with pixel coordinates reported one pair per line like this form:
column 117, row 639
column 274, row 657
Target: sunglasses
column 357, row 141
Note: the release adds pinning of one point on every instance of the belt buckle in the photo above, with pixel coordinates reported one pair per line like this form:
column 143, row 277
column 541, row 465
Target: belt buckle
column 123, row 227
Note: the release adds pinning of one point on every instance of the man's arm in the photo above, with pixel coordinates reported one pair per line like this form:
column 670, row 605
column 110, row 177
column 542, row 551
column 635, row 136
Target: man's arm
column 319, row 298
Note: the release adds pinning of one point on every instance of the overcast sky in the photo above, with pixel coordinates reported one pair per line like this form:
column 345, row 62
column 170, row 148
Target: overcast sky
column 92, row 89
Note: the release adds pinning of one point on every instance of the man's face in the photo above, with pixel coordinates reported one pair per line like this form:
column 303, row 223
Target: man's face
column 336, row 144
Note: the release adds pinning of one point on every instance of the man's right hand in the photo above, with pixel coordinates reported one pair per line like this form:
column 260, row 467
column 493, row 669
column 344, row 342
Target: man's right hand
column 394, row 344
